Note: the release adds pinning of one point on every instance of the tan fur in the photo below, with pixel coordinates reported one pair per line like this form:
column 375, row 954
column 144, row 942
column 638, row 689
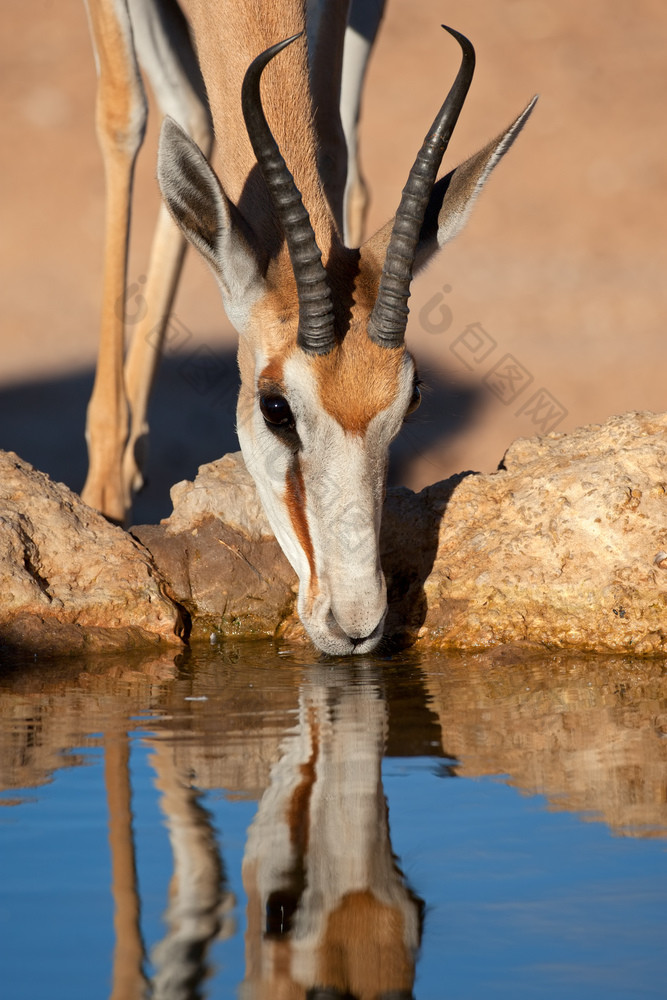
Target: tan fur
column 117, row 113
column 120, row 117
column 357, row 380
column 363, row 952
column 229, row 36
column 274, row 319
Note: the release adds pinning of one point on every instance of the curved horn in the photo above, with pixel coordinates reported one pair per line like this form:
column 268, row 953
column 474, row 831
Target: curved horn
column 387, row 322
column 316, row 333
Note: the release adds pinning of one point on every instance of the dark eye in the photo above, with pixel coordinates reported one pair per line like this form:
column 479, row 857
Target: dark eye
column 415, row 399
column 276, row 411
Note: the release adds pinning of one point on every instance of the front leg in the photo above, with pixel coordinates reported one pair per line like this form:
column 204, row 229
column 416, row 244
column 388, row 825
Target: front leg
column 165, row 51
column 120, row 120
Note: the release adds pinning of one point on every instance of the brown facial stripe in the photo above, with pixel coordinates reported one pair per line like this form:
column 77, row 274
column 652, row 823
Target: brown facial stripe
column 295, row 498
column 298, row 815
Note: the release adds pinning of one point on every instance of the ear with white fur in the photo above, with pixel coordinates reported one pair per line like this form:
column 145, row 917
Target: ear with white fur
column 199, row 206
column 453, row 196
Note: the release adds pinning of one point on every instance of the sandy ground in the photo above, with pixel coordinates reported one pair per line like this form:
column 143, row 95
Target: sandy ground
column 548, row 312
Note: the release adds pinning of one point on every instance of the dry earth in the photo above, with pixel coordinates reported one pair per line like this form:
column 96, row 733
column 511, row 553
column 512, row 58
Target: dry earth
column 562, row 264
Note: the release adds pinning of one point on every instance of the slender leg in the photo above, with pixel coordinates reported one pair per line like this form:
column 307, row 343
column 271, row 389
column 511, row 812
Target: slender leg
column 326, row 37
column 165, row 51
column 120, row 120
column 145, row 348
column 364, row 21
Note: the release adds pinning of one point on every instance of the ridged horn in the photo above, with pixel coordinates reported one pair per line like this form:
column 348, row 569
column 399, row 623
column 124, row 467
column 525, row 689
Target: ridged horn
column 389, row 318
column 316, row 333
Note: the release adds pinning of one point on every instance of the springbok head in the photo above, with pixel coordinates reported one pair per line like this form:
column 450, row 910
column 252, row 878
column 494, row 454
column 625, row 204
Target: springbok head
column 326, row 378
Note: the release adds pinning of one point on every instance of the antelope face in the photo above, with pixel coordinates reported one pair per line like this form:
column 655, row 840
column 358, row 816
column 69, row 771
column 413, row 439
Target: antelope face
column 315, row 432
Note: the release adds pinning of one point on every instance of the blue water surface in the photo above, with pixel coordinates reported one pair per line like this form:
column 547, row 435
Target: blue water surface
column 522, row 900
column 521, row 897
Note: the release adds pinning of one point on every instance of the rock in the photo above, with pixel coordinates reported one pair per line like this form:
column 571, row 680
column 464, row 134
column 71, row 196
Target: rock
column 70, row 580
column 225, row 490
column 565, row 545
column 219, row 554
column 230, row 585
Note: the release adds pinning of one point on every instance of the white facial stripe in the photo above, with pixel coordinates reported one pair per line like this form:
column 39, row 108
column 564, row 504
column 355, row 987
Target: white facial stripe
column 268, row 461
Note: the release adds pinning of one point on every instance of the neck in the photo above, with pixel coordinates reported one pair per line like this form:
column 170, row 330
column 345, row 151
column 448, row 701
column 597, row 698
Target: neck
column 229, row 34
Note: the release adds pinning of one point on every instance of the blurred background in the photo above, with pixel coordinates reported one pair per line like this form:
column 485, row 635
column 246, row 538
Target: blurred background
column 548, row 311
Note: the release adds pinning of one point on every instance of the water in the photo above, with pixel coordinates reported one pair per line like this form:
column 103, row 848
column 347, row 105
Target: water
column 249, row 822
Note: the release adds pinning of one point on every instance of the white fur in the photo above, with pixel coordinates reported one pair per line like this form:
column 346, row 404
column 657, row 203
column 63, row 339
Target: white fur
column 344, row 480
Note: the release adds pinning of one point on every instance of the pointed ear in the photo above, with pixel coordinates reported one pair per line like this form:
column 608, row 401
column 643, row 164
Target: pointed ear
column 194, row 196
column 453, row 196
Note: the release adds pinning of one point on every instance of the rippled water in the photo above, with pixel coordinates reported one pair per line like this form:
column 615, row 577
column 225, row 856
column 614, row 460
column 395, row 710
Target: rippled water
column 249, row 822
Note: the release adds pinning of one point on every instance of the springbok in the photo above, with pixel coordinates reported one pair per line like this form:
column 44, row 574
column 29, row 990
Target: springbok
column 329, row 912
column 326, row 378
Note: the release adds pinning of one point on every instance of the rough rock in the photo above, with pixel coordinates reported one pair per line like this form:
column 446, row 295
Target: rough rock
column 69, row 580
column 223, row 489
column 565, row 545
column 219, row 554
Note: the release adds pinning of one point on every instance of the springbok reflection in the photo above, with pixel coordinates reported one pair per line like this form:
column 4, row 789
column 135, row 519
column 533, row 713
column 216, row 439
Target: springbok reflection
column 299, row 748
column 329, row 912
